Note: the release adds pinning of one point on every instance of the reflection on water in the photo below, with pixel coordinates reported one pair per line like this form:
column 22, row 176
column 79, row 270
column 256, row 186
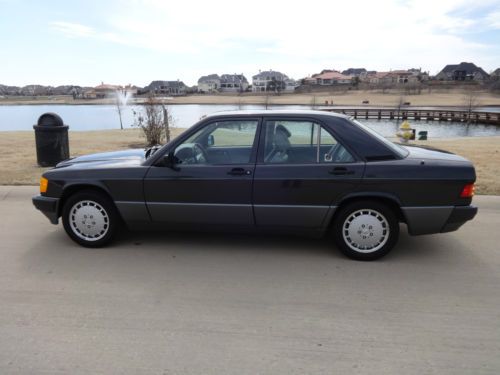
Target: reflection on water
column 98, row 117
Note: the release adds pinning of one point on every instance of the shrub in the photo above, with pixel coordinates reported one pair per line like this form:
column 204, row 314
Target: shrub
column 155, row 120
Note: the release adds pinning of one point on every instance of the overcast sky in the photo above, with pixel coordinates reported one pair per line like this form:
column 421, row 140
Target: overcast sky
column 137, row 41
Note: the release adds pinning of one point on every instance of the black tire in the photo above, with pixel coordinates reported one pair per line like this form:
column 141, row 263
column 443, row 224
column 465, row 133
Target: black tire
column 107, row 218
column 365, row 230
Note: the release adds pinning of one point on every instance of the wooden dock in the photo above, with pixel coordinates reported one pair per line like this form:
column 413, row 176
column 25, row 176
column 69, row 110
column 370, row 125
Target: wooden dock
column 489, row 118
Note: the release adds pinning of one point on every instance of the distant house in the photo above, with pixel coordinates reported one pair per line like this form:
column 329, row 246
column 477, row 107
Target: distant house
column 273, row 81
column 328, row 78
column 375, row 78
column 421, row 76
column 104, row 90
column 401, row 76
column 354, row 72
column 131, row 89
column 89, row 94
column 308, row 81
column 210, row 83
column 290, row 85
column 233, row 83
column 495, row 75
column 166, row 88
column 394, row 77
column 462, row 72
column 365, row 76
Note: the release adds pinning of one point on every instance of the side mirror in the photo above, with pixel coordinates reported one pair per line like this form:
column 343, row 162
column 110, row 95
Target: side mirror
column 210, row 140
column 170, row 161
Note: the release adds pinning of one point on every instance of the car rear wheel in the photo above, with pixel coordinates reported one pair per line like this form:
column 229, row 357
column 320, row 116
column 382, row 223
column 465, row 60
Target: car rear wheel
column 90, row 218
column 365, row 230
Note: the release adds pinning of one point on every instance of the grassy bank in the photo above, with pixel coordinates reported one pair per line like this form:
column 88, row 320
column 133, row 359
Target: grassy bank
column 348, row 98
column 18, row 156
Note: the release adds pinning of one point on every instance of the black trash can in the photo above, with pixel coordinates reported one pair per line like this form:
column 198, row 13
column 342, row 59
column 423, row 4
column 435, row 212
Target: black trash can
column 51, row 137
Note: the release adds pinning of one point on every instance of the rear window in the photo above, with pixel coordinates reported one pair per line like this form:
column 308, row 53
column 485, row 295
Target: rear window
column 392, row 146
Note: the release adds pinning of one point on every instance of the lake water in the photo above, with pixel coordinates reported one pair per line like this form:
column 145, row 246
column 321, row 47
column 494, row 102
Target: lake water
column 99, row 117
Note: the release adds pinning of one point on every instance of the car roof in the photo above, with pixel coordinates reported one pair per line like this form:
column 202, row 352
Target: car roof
column 271, row 112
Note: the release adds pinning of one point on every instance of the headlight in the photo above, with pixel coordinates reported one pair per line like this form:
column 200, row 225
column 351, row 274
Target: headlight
column 44, row 183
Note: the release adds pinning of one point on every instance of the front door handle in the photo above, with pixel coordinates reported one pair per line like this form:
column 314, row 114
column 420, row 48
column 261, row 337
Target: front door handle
column 339, row 171
column 239, row 172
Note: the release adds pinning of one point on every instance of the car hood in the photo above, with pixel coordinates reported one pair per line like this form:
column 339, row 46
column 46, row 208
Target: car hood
column 131, row 156
column 429, row 153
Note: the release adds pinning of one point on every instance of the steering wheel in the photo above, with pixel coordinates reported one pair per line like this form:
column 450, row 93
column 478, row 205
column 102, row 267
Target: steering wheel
column 199, row 154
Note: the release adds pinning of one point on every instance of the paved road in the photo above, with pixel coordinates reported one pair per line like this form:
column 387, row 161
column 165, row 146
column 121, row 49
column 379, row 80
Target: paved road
column 217, row 304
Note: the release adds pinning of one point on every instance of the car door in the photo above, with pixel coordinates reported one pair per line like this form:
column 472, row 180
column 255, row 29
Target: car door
column 211, row 181
column 301, row 171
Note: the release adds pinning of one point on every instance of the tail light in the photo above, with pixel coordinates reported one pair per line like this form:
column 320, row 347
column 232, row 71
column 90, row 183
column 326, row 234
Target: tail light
column 467, row 191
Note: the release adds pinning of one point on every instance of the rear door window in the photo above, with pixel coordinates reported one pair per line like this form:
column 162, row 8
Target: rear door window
column 301, row 142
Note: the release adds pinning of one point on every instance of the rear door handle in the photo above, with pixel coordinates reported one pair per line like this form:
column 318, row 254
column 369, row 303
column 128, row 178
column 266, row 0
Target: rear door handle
column 239, row 172
column 339, row 171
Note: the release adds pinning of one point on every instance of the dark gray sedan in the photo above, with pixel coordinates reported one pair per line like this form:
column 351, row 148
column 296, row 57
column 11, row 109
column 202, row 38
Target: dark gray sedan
column 305, row 172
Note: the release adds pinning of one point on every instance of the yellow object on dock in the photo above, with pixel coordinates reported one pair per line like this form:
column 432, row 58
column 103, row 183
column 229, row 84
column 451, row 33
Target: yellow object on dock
column 405, row 125
column 406, row 132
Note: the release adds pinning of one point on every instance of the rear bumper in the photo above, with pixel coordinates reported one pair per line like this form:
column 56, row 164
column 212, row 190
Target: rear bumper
column 48, row 206
column 458, row 217
column 441, row 219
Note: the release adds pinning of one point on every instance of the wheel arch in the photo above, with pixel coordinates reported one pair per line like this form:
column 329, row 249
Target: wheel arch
column 389, row 200
column 73, row 188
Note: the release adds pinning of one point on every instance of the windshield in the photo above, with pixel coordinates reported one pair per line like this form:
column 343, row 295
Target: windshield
column 402, row 152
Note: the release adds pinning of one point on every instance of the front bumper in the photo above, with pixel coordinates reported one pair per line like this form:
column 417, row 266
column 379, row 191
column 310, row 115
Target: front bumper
column 441, row 219
column 49, row 207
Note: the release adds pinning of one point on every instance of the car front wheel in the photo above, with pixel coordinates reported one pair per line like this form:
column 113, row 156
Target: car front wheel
column 365, row 230
column 90, row 219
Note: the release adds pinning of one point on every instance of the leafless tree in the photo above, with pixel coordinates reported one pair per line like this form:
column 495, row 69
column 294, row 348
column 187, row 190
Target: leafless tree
column 400, row 104
column 168, row 122
column 495, row 86
column 313, row 102
column 267, row 101
column 412, row 88
column 155, row 120
column 470, row 101
column 119, row 107
column 385, row 86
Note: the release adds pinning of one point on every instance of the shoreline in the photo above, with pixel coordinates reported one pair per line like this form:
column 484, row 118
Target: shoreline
column 352, row 98
column 317, row 106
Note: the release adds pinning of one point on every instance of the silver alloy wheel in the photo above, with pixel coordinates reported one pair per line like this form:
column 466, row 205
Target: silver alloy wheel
column 89, row 220
column 365, row 231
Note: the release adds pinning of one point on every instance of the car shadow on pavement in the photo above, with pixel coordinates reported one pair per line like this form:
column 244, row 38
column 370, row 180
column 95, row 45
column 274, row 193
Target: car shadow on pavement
column 230, row 242
column 408, row 247
column 134, row 253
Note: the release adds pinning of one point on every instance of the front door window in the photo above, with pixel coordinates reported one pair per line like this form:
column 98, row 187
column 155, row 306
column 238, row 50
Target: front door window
column 222, row 142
